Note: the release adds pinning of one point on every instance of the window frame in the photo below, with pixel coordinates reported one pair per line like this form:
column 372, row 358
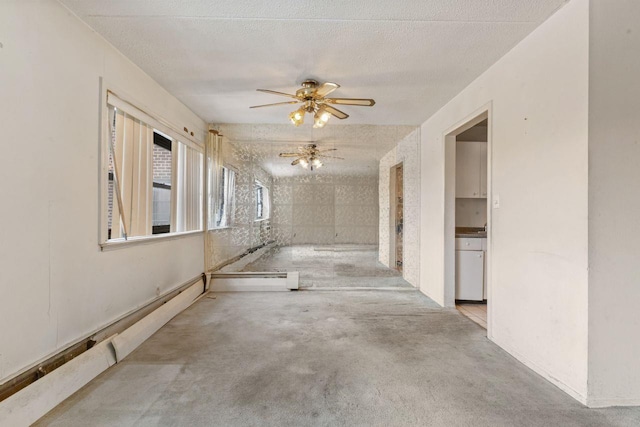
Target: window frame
column 109, row 95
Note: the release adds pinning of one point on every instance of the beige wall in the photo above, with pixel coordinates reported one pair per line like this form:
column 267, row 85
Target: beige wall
column 614, row 205
column 56, row 286
column 538, row 97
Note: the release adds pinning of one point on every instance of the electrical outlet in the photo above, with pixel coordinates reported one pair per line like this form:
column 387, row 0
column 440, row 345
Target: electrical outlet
column 496, row 201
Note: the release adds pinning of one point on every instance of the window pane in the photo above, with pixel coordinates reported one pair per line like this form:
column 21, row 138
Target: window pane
column 259, row 201
column 161, row 184
column 262, row 201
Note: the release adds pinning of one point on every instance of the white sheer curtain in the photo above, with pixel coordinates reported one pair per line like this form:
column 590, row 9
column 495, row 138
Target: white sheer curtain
column 220, row 186
column 225, row 198
column 132, row 158
column 213, row 177
column 189, row 192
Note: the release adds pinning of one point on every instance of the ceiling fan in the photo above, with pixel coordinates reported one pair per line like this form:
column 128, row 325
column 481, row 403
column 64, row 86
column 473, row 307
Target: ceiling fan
column 310, row 157
column 313, row 96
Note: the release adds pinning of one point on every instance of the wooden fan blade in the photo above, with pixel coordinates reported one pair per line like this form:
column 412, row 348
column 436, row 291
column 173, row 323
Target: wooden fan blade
column 325, row 89
column 289, row 154
column 329, row 157
column 335, row 112
column 328, row 149
column 296, row 161
column 277, row 93
column 277, row 103
column 351, row 101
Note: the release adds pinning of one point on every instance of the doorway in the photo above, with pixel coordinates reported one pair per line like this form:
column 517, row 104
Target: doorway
column 396, row 216
column 468, row 217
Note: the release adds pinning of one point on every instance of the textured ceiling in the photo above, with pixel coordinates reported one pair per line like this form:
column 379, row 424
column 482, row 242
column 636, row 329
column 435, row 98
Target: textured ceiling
column 411, row 56
column 361, row 146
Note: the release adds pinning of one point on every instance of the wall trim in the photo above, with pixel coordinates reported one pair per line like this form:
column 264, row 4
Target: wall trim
column 50, row 363
column 33, row 402
column 604, row 402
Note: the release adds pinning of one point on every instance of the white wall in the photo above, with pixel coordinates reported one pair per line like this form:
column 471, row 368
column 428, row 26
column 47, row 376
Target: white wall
column 538, row 94
column 614, row 203
column 408, row 152
column 471, row 212
column 56, row 286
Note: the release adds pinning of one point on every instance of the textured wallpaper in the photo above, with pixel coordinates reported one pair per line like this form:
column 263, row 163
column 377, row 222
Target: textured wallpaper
column 325, row 209
column 245, row 231
column 408, row 152
column 337, row 204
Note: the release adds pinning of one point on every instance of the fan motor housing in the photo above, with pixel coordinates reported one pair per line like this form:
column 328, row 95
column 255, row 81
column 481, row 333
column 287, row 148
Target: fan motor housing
column 308, row 88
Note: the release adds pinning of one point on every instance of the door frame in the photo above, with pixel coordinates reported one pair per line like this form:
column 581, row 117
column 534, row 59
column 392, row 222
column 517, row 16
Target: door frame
column 449, row 137
column 392, row 214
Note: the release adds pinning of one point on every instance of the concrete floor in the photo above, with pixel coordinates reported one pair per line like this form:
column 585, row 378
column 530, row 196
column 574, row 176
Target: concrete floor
column 339, row 266
column 326, row 358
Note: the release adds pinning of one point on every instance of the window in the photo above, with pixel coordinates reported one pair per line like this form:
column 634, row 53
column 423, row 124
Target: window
column 155, row 178
column 162, row 167
column 262, row 202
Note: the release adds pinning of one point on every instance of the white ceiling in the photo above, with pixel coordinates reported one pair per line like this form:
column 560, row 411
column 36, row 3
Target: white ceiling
column 361, row 146
column 411, row 56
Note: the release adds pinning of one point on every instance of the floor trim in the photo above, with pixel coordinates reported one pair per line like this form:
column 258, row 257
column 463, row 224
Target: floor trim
column 358, row 288
column 34, row 401
column 609, row 402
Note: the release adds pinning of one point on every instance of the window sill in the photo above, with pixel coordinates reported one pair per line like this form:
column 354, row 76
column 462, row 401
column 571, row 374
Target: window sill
column 142, row 240
column 260, row 220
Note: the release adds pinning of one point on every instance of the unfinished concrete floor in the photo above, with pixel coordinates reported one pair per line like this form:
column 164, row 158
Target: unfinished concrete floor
column 340, row 266
column 339, row 358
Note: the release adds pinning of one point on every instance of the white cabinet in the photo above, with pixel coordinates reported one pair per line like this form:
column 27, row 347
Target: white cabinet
column 471, row 169
column 469, row 275
column 470, row 269
column 483, row 170
column 469, row 244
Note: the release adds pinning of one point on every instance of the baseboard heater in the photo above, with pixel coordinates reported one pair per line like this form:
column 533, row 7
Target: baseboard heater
column 32, row 402
column 254, row 281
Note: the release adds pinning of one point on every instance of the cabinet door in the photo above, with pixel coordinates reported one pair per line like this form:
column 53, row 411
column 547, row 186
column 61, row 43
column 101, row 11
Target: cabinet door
column 467, row 169
column 483, row 169
column 469, row 275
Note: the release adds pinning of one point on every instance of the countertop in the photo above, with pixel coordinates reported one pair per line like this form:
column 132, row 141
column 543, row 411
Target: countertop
column 471, row 232
column 482, row 235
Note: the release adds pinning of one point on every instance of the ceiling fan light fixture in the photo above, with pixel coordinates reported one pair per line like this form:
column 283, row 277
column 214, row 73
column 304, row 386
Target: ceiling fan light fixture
column 321, row 118
column 304, row 163
column 314, row 97
column 297, row 117
column 315, row 162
